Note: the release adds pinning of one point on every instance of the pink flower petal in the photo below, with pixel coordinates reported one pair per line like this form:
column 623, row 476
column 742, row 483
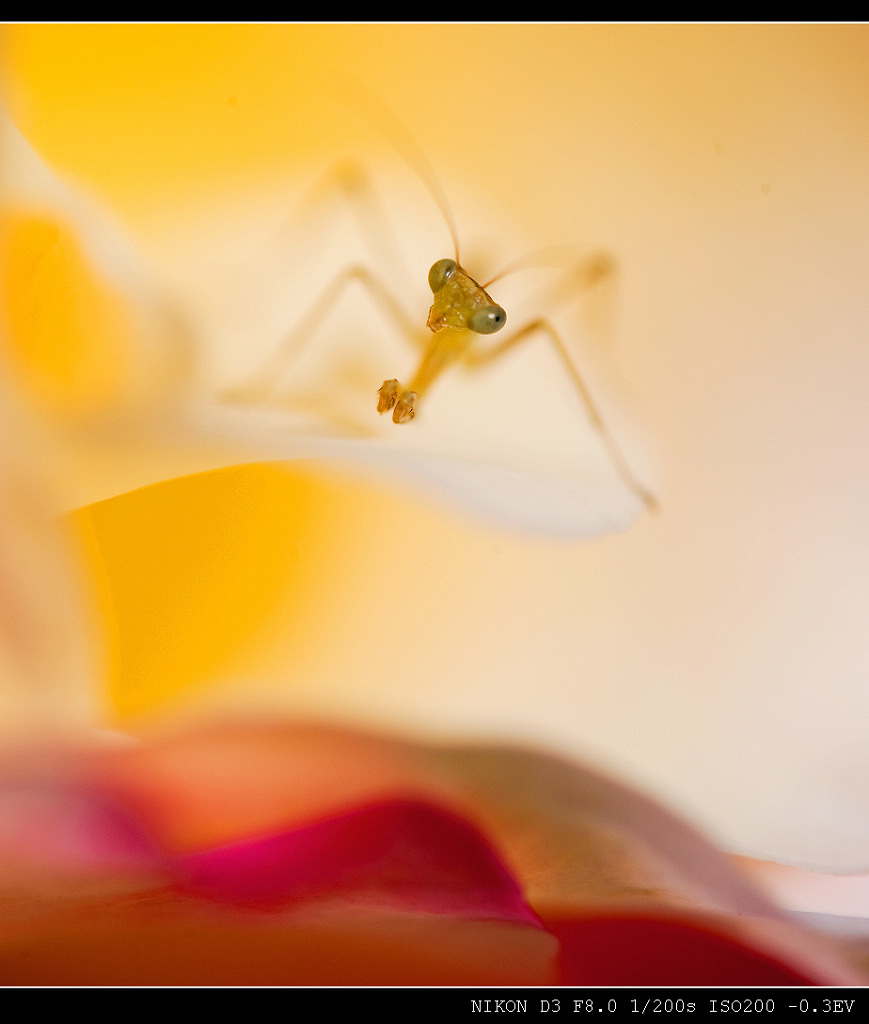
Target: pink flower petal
column 47, row 825
column 395, row 854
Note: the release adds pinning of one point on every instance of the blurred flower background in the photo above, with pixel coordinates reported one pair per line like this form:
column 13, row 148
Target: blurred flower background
column 713, row 654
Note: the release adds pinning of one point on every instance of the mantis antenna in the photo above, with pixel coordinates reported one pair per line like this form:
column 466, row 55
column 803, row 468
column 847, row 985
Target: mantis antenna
column 376, row 113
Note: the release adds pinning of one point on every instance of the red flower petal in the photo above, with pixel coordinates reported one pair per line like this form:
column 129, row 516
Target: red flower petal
column 643, row 950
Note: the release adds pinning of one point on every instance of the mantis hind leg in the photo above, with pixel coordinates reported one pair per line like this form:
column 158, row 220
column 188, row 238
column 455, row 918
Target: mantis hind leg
column 477, row 359
column 264, row 382
column 350, row 184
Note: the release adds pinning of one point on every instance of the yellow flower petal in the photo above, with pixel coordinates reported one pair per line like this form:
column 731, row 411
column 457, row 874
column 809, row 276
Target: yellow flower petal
column 191, row 573
column 83, row 327
column 68, row 332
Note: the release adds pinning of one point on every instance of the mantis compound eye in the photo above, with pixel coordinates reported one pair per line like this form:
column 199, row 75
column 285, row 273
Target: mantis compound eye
column 487, row 319
column 440, row 273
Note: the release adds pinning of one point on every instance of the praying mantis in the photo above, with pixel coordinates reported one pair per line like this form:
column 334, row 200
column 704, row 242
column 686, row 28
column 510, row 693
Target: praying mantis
column 462, row 313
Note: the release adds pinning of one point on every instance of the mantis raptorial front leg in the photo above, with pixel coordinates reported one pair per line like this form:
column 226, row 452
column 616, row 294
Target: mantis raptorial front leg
column 460, row 310
column 441, row 352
